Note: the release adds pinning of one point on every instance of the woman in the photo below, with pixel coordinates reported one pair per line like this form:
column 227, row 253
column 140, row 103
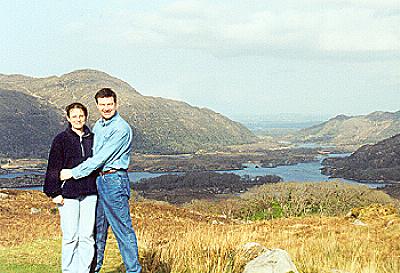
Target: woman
column 75, row 199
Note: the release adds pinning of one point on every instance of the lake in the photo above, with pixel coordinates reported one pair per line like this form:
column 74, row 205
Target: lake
column 301, row 172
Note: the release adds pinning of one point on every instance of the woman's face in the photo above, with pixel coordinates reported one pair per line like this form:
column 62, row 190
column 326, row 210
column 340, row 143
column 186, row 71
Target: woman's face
column 77, row 118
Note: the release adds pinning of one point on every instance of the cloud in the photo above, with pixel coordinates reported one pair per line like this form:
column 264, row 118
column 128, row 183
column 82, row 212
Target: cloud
column 375, row 4
column 308, row 27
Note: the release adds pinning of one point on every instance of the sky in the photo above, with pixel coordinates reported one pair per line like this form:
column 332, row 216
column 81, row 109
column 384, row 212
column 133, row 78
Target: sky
column 253, row 58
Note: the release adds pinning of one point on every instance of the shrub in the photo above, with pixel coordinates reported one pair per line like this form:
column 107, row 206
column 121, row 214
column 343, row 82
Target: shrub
column 296, row 199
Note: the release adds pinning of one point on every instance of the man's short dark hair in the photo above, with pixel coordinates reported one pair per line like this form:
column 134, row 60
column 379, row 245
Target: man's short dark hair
column 105, row 93
column 76, row 105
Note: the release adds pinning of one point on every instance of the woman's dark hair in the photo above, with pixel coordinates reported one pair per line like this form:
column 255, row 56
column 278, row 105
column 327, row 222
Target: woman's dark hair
column 105, row 93
column 76, row 105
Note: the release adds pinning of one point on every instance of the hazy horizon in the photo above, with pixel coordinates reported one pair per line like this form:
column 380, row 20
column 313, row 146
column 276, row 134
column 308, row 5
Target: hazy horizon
column 308, row 57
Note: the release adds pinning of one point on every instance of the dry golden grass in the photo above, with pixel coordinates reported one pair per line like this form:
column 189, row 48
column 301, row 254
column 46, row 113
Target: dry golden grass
column 173, row 239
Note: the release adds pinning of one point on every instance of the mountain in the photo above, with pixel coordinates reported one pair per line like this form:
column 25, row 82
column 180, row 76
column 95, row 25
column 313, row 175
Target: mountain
column 370, row 162
column 160, row 125
column 27, row 124
column 351, row 130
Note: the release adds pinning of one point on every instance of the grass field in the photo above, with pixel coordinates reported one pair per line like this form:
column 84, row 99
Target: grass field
column 186, row 239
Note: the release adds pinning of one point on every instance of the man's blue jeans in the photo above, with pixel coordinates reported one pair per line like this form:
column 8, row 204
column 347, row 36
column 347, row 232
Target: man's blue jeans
column 113, row 210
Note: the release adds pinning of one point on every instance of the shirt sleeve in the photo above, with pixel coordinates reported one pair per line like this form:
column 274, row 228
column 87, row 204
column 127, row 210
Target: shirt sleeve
column 52, row 182
column 118, row 140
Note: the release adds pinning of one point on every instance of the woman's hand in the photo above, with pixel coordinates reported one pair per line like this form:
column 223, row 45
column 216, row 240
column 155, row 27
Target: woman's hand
column 58, row 200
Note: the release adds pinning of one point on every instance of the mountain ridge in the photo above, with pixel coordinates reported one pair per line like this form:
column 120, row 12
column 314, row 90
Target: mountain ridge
column 378, row 162
column 351, row 130
column 160, row 125
column 34, row 121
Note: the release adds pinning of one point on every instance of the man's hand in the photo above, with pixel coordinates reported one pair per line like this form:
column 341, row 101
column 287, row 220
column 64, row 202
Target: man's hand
column 58, row 200
column 65, row 174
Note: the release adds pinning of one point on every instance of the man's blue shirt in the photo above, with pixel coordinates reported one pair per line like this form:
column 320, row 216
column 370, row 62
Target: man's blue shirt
column 111, row 147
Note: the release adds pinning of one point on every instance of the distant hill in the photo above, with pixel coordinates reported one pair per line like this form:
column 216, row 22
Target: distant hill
column 351, row 130
column 27, row 124
column 160, row 125
column 370, row 162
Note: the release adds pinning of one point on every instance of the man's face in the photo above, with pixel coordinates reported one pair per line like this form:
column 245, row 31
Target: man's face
column 107, row 107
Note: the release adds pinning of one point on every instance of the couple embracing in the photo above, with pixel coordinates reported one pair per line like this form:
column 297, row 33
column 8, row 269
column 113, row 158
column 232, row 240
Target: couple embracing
column 87, row 178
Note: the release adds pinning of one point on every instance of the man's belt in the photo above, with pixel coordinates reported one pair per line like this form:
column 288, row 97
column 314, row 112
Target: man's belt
column 102, row 173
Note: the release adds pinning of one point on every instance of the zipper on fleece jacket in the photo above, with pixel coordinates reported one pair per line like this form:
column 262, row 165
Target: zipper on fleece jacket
column 81, row 140
column 82, row 150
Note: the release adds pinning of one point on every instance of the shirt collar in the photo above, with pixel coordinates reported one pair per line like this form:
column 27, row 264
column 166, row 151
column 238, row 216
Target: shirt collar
column 86, row 130
column 104, row 122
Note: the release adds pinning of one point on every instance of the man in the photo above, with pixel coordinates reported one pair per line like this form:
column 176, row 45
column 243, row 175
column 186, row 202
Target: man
column 111, row 155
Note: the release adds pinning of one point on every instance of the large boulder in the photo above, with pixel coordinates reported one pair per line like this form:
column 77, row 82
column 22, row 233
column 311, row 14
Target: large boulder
column 272, row 261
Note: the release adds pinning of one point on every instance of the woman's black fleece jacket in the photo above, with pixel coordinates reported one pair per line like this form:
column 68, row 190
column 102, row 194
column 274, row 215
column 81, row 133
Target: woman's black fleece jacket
column 67, row 151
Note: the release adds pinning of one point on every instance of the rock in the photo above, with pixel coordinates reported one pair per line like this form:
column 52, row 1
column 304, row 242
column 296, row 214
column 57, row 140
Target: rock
column 35, row 210
column 216, row 222
column 358, row 222
column 3, row 195
column 273, row 261
column 252, row 250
